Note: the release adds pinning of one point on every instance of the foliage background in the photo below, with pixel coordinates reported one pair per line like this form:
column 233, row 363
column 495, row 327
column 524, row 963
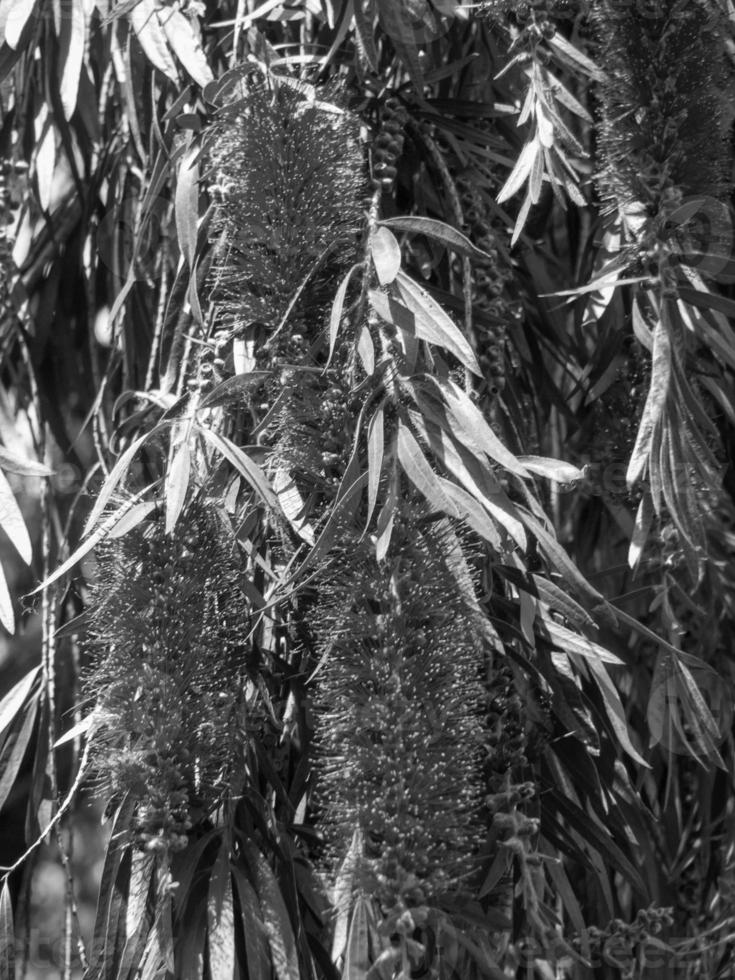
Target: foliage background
column 165, row 333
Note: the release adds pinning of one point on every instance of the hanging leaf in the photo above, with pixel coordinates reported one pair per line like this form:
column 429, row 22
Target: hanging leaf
column 256, row 942
column 468, row 426
column 357, row 953
column 144, row 18
column 365, row 30
column 12, row 523
column 386, row 518
column 177, row 483
column 386, row 255
column 220, row 916
column 472, row 512
column 655, row 402
column 115, row 476
column 335, row 317
column 563, row 563
column 614, row 709
column 375, row 459
column 366, row 350
column 275, row 917
column 7, row 935
column 433, row 324
column 7, row 616
column 552, row 469
column 72, row 41
column 395, row 19
column 292, row 504
column 187, row 204
column 14, row 749
column 417, row 469
column 521, row 171
column 185, row 43
column 15, row 699
column 343, row 895
column 11, row 463
column 134, row 516
column 189, row 949
column 243, row 464
column 17, row 18
column 438, row 231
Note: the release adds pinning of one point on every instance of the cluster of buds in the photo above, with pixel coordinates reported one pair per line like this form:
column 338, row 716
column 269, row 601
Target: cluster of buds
column 389, row 142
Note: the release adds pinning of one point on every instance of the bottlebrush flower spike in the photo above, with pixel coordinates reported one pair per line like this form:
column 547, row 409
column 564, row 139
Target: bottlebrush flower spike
column 167, row 626
column 662, row 100
column 399, row 718
column 289, row 177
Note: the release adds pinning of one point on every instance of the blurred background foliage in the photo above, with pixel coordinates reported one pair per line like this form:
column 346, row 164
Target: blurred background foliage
column 342, row 341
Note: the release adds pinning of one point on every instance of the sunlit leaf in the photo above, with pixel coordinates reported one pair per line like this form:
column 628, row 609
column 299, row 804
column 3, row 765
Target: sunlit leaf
column 655, row 402
column 438, row 231
column 357, row 957
column 417, row 469
column 375, row 459
column 12, row 523
column 386, row 255
column 7, row 935
column 335, row 317
column 185, row 44
column 275, row 917
column 220, row 916
column 7, row 616
column 16, row 698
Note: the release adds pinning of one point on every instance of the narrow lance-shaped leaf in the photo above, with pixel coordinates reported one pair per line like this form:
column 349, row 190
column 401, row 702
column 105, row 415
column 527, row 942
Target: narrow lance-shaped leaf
column 256, row 943
column 177, row 483
column 7, row 616
column 220, row 916
column 438, row 231
column 15, row 748
column 187, row 204
column 521, row 171
column 357, row 955
column 14, row 700
column 417, row 469
column 147, row 27
column 412, row 310
column 614, row 709
column 655, row 402
column 16, row 20
column 74, row 30
column 12, row 463
column 183, row 38
column 12, row 523
column 275, row 917
column 335, row 317
column 7, row 936
column 375, row 459
column 469, row 426
column 243, row 464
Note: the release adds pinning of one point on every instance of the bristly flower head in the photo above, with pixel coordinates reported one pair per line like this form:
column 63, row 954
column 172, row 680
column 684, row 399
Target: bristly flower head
column 399, row 719
column 168, row 622
column 661, row 101
column 289, row 175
